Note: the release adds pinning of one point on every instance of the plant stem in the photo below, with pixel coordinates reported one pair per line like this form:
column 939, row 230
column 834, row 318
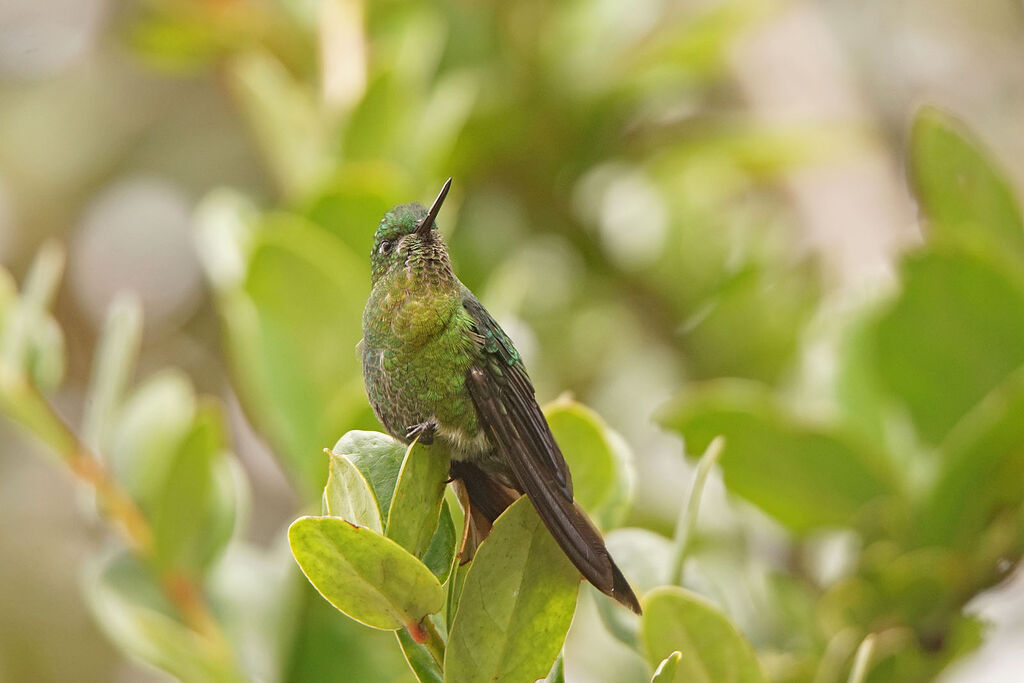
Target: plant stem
column 687, row 523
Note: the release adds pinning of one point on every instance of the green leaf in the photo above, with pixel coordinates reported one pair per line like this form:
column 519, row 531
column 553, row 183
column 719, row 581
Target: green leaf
column 803, row 476
column 328, row 647
column 439, row 554
column 982, row 467
column 644, row 556
column 422, row 664
column 770, row 307
column 859, row 392
column 456, row 582
column 348, row 495
column 22, row 323
column 284, row 116
column 369, row 577
column 115, row 359
column 598, row 457
column 711, row 649
column 292, row 323
column 194, row 513
column 379, row 458
column 952, row 336
column 965, row 195
column 516, row 605
column 355, row 197
column 134, row 614
column 148, row 432
column 666, row 671
column 416, row 504
column 373, row 461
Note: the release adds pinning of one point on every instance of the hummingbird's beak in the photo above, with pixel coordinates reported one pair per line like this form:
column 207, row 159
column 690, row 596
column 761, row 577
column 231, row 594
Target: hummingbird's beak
column 424, row 227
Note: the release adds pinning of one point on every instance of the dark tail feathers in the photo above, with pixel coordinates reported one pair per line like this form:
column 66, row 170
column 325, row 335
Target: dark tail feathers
column 575, row 534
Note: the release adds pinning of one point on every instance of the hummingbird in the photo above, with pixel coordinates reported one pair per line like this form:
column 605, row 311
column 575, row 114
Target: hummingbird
column 437, row 366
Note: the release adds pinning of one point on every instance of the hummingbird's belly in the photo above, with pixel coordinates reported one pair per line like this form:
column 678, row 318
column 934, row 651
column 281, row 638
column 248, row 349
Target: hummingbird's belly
column 409, row 387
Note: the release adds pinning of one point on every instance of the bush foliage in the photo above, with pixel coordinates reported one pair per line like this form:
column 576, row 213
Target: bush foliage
column 914, row 465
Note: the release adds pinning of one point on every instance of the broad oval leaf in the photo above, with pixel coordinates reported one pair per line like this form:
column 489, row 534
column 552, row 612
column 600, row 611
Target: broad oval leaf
column 516, row 604
column 803, row 476
column 416, row 503
column 711, row 649
column 379, row 458
column 369, row 577
column 598, row 457
column 966, row 197
column 954, row 334
column 348, row 495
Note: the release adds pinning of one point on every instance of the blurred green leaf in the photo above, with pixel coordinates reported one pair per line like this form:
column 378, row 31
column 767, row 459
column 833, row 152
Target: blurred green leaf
column 353, row 201
column 112, row 368
column 328, row 647
column 30, row 310
column 416, row 503
column 148, row 432
column 260, row 599
column 186, row 37
column 772, row 306
column 422, row 664
column 712, row 649
column 803, row 476
column 134, row 614
column 348, row 495
column 859, row 391
column 965, row 195
column 981, row 470
column 292, row 326
column 194, row 513
column 642, row 555
column 954, row 333
column 369, row 577
column 379, row 458
column 516, row 605
column 285, row 118
column 599, row 459
column 666, row 671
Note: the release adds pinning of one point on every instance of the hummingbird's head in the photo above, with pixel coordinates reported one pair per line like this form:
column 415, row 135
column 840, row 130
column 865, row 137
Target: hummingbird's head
column 407, row 231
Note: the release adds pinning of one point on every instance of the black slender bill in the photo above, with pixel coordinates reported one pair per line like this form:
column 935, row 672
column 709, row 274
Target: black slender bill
column 427, row 223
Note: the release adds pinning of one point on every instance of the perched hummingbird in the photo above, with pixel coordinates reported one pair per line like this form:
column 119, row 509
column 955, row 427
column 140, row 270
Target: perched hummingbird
column 437, row 366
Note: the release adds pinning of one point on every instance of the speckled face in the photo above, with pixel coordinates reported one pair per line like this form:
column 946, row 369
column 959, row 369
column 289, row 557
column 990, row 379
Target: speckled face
column 395, row 237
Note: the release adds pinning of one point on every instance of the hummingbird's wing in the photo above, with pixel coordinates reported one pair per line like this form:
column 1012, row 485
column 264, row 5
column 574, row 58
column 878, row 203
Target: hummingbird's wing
column 504, row 399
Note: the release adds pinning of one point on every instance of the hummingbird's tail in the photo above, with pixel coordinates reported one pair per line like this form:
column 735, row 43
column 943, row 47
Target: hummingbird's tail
column 568, row 524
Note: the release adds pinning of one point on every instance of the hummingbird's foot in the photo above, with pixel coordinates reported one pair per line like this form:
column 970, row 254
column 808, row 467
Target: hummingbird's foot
column 424, row 431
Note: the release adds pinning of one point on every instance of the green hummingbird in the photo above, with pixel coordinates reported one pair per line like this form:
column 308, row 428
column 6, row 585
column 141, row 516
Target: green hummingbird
column 437, row 366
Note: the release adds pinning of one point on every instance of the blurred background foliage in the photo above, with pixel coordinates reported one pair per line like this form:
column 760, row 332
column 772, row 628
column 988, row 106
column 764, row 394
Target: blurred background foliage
column 702, row 211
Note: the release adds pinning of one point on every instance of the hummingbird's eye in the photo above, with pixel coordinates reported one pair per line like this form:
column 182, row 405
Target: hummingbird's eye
column 385, row 246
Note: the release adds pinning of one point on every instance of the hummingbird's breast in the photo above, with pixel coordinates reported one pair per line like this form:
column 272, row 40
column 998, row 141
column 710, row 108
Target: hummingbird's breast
column 416, row 352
